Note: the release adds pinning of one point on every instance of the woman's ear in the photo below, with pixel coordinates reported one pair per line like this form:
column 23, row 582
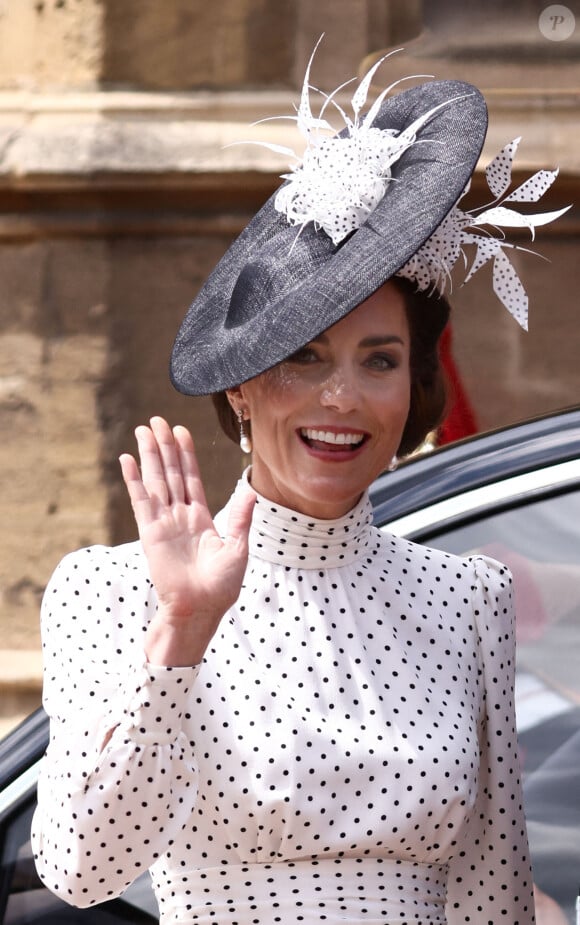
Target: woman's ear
column 235, row 397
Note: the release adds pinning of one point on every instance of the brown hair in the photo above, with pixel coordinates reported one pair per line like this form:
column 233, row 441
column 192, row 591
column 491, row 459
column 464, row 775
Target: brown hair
column 427, row 316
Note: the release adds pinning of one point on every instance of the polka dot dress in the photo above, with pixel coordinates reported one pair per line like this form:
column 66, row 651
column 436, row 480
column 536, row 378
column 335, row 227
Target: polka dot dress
column 344, row 753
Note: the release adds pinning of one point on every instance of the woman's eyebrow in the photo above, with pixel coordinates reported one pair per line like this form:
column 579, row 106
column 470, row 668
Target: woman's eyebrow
column 380, row 339
column 375, row 340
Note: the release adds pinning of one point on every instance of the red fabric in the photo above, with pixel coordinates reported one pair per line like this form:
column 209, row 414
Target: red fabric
column 460, row 420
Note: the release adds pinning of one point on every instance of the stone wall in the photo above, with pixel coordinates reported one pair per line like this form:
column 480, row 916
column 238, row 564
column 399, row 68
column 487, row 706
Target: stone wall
column 50, row 43
column 182, row 45
column 117, row 196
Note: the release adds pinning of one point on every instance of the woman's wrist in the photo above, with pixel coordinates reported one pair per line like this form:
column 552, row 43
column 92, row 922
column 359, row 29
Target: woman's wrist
column 178, row 643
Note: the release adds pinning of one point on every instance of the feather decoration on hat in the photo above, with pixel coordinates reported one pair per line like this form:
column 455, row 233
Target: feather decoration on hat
column 341, row 178
column 432, row 264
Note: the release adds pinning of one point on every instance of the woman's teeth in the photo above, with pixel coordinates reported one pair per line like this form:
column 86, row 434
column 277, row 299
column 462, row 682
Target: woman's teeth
column 327, row 436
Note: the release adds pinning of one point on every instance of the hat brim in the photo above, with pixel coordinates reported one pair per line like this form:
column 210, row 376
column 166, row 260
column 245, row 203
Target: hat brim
column 275, row 290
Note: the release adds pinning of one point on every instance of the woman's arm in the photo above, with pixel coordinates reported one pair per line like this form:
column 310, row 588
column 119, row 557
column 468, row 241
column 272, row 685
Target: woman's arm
column 121, row 636
column 106, row 812
column 490, row 878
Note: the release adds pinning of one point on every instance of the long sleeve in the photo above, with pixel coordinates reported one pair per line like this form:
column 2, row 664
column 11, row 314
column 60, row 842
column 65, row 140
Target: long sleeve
column 490, row 879
column 105, row 814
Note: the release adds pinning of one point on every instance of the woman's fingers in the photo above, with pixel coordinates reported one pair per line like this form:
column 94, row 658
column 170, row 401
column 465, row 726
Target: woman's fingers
column 169, row 469
column 194, row 491
column 169, row 461
column 160, row 462
column 240, row 517
column 131, row 475
column 140, row 500
column 152, row 474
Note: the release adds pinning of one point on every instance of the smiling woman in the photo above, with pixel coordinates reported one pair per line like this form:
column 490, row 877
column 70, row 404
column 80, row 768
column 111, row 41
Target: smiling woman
column 286, row 714
column 325, row 420
column 426, row 319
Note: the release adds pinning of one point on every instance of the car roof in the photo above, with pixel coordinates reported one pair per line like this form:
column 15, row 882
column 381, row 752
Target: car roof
column 476, row 462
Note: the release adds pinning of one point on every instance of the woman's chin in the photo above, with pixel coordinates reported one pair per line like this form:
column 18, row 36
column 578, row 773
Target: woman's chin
column 326, row 499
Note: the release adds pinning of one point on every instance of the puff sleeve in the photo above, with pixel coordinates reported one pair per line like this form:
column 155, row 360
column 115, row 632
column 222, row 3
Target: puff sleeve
column 490, row 879
column 106, row 812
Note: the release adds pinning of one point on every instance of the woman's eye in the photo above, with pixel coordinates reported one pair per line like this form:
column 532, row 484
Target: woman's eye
column 304, row 355
column 381, row 361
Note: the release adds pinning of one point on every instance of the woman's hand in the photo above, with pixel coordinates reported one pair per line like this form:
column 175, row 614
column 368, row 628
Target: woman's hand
column 548, row 912
column 197, row 575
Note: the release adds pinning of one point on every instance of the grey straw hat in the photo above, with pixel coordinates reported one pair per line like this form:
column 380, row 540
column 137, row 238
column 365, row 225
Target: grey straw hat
column 276, row 289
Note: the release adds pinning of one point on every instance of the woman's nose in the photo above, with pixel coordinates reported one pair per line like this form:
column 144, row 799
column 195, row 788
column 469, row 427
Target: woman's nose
column 340, row 391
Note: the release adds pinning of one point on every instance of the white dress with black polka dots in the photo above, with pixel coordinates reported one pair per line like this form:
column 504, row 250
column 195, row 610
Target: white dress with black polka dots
column 345, row 752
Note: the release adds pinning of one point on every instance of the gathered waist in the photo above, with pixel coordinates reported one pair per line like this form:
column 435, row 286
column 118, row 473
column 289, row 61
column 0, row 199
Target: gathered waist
column 365, row 890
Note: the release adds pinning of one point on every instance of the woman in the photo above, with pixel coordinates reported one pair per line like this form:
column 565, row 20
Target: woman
column 288, row 715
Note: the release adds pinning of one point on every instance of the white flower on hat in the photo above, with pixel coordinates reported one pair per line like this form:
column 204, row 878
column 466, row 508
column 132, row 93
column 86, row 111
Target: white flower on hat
column 340, row 179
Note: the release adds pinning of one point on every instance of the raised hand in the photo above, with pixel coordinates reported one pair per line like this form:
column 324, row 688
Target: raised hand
column 197, row 575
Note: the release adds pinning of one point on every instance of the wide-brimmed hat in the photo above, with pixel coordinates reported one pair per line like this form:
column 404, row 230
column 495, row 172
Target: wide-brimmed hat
column 380, row 199
column 277, row 287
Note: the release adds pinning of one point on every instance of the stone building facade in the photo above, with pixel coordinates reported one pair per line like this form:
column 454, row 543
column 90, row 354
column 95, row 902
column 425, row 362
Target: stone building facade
column 118, row 194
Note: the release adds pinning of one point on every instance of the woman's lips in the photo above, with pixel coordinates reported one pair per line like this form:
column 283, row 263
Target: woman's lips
column 337, row 443
column 339, row 438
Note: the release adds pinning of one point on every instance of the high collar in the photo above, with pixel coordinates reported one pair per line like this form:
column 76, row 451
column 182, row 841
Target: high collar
column 286, row 537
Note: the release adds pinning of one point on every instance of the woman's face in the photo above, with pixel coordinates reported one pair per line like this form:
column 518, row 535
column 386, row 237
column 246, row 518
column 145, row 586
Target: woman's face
column 326, row 421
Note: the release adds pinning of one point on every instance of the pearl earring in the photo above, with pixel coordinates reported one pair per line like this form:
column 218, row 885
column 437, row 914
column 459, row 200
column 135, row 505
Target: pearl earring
column 393, row 464
column 245, row 439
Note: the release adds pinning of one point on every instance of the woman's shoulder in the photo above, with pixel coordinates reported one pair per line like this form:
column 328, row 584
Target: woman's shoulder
column 97, row 599
column 99, row 571
column 431, row 558
column 127, row 558
column 478, row 577
column 476, row 590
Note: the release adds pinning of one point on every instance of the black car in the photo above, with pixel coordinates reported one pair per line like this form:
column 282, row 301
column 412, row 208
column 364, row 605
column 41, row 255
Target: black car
column 513, row 494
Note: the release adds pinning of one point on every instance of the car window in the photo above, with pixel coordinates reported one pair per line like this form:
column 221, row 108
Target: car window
column 25, row 901
column 540, row 542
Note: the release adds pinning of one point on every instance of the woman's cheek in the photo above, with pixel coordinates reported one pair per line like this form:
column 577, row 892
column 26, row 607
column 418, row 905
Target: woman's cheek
column 282, row 383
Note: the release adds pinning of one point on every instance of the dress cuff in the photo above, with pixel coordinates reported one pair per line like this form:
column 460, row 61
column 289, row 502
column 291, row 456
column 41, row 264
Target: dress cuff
column 156, row 702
